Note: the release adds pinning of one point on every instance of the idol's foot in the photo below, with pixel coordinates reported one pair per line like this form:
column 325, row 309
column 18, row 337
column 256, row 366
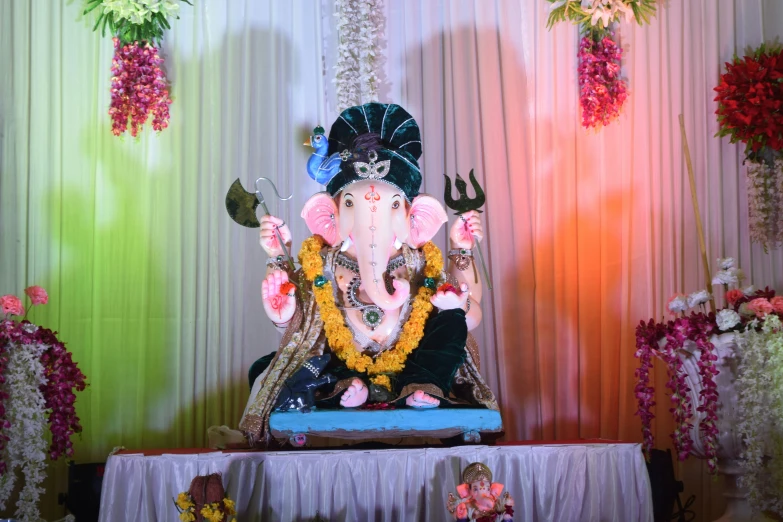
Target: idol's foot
column 355, row 395
column 421, row 400
column 223, row 437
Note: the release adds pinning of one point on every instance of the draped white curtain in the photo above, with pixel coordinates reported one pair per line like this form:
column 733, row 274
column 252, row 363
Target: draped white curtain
column 156, row 290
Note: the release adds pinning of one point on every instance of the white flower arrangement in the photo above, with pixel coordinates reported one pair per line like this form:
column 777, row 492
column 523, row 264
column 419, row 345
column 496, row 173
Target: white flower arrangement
column 765, row 195
column 729, row 276
column 140, row 11
column 726, row 263
column 26, row 413
column 697, row 298
column 727, row 319
column 600, row 13
column 360, row 27
column 760, row 389
column 678, row 304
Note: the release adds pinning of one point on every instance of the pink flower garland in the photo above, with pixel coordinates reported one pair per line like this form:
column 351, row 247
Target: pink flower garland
column 138, row 88
column 601, row 90
column 63, row 375
column 697, row 328
column 646, row 336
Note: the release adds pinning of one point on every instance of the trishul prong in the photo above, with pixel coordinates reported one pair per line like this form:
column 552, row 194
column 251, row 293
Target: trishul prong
column 465, row 204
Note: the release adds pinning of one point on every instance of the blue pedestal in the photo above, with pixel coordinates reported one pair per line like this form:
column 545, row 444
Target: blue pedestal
column 369, row 424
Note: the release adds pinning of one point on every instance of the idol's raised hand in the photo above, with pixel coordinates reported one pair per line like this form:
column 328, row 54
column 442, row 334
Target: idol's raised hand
column 269, row 240
column 467, row 227
column 278, row 294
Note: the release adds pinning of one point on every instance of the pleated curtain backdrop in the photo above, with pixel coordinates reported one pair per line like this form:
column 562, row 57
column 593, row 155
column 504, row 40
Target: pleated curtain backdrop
column 157, row 291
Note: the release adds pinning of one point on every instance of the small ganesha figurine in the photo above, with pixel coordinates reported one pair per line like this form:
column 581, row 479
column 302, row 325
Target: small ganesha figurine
column 480, row 498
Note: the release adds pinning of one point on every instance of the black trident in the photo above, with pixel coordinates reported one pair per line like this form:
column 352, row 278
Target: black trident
column 465, row 204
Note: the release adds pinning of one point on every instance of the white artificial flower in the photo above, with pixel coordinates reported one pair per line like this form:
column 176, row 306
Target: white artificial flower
column 697, row 298
column 140, row 11
column 749, row 290
column 727, row 319
column 725, row 263
column 740, row 275
column 678, row 304
column 726, row 277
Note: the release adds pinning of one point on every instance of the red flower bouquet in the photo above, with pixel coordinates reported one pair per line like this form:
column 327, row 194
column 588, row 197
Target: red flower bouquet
column 750, row 100
column 750, row 110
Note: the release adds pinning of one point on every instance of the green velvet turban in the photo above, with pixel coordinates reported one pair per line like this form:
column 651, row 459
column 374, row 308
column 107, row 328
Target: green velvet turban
column 376, row 141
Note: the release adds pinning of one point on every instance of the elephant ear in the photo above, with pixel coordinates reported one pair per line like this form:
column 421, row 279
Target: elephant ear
column 320, row 214
column 463, row 490
column 496, row 489
column 425, row 219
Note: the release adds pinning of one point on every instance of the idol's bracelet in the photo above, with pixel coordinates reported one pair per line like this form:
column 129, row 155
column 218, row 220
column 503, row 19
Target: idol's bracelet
column 461, row 258
column 277, row 263
column 282, row 325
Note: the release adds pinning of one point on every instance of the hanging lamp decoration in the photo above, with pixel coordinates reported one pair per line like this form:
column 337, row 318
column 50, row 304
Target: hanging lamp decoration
column 139, row 89
column 602, row 89
column 360, row 28
column 750, row 110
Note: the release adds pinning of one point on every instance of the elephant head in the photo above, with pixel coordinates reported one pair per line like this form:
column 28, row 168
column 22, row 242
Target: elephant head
column 482, row 494
column 376, row 218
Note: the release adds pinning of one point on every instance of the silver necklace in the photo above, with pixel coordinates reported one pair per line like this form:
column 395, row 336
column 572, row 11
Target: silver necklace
column 372, row 315
column 351, row 264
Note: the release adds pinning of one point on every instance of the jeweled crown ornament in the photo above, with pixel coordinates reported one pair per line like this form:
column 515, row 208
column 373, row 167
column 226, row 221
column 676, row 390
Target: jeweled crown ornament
column 475, row 472
column 372, row 170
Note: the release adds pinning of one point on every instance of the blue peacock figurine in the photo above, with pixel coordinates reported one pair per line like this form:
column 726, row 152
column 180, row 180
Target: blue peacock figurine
column 320, row 167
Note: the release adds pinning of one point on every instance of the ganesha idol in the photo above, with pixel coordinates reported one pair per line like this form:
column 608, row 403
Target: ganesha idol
column 374, row 318
column 479, row 498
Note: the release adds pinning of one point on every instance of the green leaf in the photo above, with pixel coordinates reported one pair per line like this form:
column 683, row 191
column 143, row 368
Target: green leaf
column 106, row 20
column 98, row 21
column 91, row 5
column 163, row 21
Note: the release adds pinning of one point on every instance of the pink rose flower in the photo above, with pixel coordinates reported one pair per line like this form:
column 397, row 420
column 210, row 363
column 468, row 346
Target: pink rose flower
column 732, row 296
column 11, row 305
column 777, row 304
column 761, row 307
column 37, row 295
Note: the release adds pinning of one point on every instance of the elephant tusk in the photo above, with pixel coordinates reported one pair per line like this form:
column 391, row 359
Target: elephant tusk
column 346, row 244
column 397, row 243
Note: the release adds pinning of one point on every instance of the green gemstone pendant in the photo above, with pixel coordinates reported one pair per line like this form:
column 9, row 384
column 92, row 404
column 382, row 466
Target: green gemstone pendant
column 372, row 317
column 320, row 281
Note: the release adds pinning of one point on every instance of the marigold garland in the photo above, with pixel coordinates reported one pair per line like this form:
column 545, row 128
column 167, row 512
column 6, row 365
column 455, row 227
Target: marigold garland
column 214, row 512
column 340, row 337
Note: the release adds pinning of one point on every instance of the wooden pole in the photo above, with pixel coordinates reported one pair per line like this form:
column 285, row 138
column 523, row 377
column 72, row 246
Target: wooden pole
column 695, row 201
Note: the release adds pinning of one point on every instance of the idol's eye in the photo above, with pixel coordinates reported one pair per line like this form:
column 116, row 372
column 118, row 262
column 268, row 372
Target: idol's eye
column 396, row 204
column 348, row 203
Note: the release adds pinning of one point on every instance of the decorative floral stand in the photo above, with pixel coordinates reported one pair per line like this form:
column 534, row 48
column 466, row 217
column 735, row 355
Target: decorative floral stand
column 729, row 441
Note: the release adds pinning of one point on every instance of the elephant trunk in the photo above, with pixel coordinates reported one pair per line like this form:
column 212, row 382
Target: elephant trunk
column 373, row 256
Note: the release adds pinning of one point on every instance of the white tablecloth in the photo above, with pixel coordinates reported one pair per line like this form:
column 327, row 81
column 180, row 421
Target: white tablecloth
column 558, row 483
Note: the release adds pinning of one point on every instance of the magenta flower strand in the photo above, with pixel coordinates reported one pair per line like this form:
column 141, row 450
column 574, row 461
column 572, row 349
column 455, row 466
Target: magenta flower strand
column 602, row 91
column 138, row 88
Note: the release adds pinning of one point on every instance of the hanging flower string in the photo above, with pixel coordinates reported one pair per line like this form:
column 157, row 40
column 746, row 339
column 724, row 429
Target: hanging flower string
column 602, row 91
column 358, row 72
column 139, row 89
column 646, row 344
